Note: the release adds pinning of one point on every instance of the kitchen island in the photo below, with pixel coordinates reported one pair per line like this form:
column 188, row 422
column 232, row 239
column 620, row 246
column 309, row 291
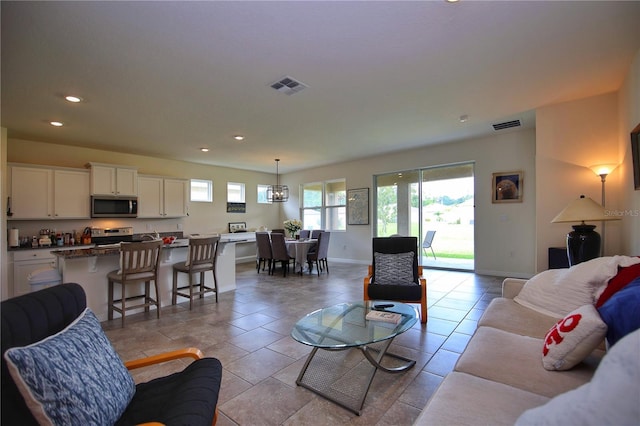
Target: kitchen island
column 89, row 268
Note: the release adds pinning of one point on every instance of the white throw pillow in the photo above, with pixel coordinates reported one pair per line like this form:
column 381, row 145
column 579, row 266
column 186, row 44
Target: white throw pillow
column 611, row 398
column 557, row 292
column 573, row 338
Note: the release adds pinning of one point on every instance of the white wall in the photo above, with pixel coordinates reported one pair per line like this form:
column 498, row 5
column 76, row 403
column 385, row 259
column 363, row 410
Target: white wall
column 4, row 280
column 572, row 136
column 629, row 105
column 505, row 233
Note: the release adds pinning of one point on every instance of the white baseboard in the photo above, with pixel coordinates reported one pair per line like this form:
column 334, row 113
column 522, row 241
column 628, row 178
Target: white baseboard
column 503, row 274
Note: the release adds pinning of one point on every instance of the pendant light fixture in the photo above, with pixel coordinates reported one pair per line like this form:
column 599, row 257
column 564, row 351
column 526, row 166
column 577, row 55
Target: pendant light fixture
column 278, row 193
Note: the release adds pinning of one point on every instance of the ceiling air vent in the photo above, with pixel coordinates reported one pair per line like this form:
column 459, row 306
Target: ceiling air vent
column 506, row 125
column 288, row 86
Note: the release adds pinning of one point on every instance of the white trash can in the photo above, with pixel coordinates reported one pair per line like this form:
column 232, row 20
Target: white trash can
column 43, row 278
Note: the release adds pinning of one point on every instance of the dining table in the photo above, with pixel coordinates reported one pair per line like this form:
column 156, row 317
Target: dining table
column 298, row 250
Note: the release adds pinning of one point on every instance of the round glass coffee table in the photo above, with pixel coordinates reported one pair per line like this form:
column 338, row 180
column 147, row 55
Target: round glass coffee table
column 334, row 372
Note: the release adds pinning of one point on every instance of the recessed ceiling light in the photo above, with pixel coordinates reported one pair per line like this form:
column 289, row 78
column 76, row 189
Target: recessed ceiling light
column 239, row 137
column 464, row 118
column 56, row 123
column 204, row 149
column 73, row 99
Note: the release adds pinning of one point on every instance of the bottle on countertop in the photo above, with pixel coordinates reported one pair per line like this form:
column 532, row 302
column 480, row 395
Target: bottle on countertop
column 34, row 242
column 86, row 236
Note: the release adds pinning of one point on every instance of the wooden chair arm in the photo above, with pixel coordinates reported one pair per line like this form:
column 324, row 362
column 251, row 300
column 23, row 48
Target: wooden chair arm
column 164, row 357
column 367, row 281
column 422, row 279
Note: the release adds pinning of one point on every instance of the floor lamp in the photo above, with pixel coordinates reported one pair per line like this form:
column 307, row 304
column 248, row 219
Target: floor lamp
column 603, row 170
column 583, row 243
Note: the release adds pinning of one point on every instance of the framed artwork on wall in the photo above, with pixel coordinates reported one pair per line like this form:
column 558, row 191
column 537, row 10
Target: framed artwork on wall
column 237, row 227
column 236, row 207
column 635, row 155
column 507, row 187
column 358, row 206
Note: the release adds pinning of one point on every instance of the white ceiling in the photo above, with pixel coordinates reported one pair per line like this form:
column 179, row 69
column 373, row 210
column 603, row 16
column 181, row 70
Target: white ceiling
column 166, row 78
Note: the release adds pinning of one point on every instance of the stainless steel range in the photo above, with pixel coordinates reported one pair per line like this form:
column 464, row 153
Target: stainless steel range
column 110, row 236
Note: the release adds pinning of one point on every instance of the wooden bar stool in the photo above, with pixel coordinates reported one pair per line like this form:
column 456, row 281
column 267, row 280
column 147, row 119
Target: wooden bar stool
column 201, row 258
column 138, row 264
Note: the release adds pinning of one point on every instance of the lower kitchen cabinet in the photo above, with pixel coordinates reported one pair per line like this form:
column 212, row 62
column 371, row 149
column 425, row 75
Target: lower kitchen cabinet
column 27, row 261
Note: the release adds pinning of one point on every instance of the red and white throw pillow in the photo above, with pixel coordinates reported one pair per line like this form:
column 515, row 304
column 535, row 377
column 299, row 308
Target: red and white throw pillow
column 573, row 338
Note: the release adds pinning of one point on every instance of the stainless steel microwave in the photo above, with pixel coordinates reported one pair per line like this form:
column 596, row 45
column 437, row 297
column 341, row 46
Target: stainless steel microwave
column 106, row 206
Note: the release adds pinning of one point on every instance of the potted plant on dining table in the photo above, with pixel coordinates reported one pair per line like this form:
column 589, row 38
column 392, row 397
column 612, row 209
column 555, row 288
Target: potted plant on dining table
column 292, row 226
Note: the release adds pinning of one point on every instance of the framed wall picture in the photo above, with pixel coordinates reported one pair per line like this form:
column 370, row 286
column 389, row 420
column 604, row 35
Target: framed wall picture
column 358, row 206
column 635, row 155
column 507, row 187
column 236, row 207
column 237, row 227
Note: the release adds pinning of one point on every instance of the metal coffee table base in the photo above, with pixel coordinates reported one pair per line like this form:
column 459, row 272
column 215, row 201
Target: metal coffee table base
column 341, row 377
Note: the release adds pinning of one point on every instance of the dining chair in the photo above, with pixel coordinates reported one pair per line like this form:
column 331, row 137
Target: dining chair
column 265, row 257
column 280, row 253
column 304, row 233
column 201, row 258
column 277, row 231
column 395, row 273
column 315, row 233
column 319, row 256
column 139, row 263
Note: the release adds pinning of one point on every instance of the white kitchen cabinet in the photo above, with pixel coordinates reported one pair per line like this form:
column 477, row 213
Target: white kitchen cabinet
column 44, row 193
column 160, row 197
column 113, row 180
column 24, row 263
column 71, row 198
column 176, row 197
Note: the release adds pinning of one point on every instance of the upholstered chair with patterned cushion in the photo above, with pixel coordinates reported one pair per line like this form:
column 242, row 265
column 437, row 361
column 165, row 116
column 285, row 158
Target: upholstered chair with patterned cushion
column 395, row 274
column 58, row 367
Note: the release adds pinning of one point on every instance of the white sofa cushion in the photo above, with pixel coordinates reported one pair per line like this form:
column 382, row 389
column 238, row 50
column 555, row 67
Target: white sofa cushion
column 611, row 398
column 463, row 399
column 515, row 360
column 506, row 314
column 557, row 292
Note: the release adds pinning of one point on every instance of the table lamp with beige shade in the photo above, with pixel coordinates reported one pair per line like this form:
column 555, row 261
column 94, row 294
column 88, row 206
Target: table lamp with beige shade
column 583, row 243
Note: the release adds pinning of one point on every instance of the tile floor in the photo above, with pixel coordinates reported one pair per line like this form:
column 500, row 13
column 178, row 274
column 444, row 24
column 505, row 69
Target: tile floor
column 248, row 330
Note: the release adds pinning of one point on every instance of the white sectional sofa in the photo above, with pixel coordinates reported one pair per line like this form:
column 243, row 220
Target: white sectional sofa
column 500, row 375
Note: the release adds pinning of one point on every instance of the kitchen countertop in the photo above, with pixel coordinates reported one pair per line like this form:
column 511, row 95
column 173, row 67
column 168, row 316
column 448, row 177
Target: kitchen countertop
column 94, row 250
column 105, row 251
column 68, row 252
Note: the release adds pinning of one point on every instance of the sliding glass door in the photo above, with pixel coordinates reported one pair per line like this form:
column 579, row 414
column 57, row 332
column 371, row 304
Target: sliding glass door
column 435, row 203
